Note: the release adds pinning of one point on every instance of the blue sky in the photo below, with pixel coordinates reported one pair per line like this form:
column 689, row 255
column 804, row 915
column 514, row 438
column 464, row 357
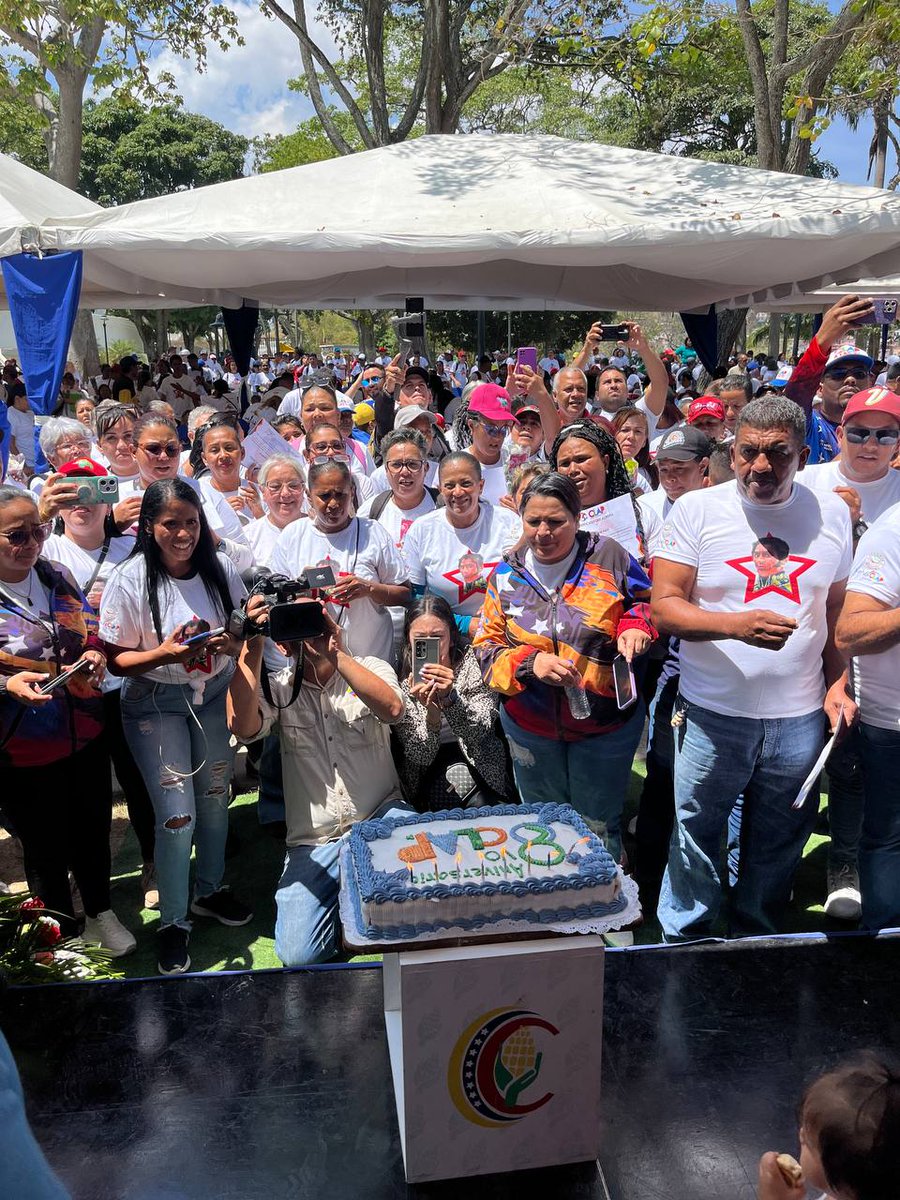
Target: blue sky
column 246, row 90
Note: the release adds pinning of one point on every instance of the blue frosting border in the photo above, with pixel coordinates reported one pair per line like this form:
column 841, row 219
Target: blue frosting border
column 596, row 866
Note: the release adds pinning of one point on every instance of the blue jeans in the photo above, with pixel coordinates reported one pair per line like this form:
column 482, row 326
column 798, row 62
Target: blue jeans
column 879, row 852
column 270, row 805
column 717, row 759
column 592, row 775
column 307, row 924
column 184, row 753
column 24, row 1172
column 845, row 801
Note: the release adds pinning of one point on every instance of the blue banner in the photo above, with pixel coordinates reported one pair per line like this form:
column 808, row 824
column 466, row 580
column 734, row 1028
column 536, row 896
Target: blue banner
column 43, row 298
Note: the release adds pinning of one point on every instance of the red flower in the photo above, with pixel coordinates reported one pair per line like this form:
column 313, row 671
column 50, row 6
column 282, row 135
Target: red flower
column 33, row 903
column 48, row 931
column 45, row 957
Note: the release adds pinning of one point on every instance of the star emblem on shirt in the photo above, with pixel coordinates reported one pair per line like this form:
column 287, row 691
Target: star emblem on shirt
column 782, row 582
column 473, row 588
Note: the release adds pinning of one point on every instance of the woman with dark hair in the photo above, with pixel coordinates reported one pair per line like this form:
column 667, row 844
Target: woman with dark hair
column 369, row 572
column 589, row 456
column 632, row 435
column 174, row 588
column 453, row 753
column 555, row 617
column 221, row 446
column 57, row 783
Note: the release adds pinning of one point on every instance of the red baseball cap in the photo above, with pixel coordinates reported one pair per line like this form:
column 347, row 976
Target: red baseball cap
column 82, row 466
column 705, row 406
column 492, row 402
column 874, row 399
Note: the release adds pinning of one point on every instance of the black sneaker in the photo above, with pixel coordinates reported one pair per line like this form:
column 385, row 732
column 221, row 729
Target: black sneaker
column 223, row 906
column 173, row 951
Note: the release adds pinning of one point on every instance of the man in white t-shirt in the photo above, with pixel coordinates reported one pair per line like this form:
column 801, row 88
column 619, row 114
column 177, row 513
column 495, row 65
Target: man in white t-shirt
column 869, row 629
column 179, row 389
column 741, row 570
column 868, row 436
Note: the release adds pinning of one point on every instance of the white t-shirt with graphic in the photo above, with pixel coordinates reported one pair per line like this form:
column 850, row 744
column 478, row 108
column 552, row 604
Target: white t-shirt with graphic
column 877, row 497
column 806, row 547
column 126, row 621
column 876, row 573
column 455, row 563
column 365, row 549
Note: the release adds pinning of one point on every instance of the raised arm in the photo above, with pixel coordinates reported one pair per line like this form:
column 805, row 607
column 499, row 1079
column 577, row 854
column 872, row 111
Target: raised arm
column 840, row 320
column 657, row 373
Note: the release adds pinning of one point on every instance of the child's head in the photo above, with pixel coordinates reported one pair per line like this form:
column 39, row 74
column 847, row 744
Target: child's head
column 850, row 1131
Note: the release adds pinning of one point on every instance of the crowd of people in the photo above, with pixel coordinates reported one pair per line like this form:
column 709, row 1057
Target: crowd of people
column 510, row 571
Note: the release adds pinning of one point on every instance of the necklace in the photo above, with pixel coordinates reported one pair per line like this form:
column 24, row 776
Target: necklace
column 21, row 592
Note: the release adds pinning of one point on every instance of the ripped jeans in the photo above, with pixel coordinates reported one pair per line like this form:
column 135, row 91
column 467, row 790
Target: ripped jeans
column 168, row 744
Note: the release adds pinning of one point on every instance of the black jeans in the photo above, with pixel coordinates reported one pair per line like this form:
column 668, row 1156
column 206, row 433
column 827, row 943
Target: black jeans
column 62, row 813
column 137, row 798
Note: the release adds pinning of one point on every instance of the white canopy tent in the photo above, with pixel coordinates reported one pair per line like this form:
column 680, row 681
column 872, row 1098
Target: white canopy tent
column 500, row 222
column 819, row 300
column 30, row 207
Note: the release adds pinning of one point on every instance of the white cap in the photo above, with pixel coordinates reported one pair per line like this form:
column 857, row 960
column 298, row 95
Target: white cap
column 411, row 412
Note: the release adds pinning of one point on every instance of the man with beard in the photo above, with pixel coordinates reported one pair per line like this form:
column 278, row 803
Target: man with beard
column 832, row 369
column 612, row 382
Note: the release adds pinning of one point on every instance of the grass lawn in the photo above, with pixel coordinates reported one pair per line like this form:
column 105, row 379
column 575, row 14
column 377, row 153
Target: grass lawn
column 254, row 864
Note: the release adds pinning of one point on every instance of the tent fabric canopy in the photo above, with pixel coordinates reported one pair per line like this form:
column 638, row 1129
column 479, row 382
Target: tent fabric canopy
column 494, row 221
column 817, row 301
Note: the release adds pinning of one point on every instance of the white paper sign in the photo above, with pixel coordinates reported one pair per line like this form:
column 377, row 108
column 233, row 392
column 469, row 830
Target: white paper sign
column 820, row 762
column 495, row 1054
column 262, row 443
column 615, row 519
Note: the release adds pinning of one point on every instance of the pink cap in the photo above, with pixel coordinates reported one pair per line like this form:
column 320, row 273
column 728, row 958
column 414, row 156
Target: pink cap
column 492, row 402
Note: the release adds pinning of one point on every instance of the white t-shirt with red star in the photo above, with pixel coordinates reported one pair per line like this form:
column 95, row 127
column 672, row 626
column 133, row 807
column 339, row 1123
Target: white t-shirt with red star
column 781, row 558
column 455, row 563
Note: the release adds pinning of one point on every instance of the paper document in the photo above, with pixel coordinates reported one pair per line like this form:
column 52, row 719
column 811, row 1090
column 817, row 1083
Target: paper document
column 262, row 443
column 810, row 780
column 614, row 519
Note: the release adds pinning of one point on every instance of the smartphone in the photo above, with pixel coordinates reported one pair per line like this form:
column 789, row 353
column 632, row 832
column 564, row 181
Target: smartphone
column 884, row 312
column 426, row 651
column 526, row 356
column 297, row 622
column 614, row 333
column 64, row 676
column 623, row 677
column 319, row 577
column 103, row 489
column 204, row 636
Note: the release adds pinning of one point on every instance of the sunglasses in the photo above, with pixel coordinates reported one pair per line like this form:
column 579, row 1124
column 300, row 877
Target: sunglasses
column 37, row 533
column 492, row 430
column 157, row 449
column 857, row 435
column 842, row 373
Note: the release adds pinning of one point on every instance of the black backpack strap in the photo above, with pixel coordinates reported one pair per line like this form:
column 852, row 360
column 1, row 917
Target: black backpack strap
column 379, row 504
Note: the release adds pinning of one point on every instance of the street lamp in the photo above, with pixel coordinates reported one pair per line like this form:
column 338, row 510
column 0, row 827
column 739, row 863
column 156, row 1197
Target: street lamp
column 101, row 313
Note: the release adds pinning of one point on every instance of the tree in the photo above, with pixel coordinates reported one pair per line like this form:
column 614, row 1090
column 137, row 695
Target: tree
column 413, row 68
column 52, row 50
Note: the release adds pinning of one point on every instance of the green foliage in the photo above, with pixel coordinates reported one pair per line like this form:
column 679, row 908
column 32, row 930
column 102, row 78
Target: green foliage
column 308, row 143
column 192, row 323
column 448, row 329
column 130, row 152
column 119, row 348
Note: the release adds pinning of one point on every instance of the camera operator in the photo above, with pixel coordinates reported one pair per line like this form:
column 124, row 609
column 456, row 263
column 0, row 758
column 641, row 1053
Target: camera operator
column 331, row 712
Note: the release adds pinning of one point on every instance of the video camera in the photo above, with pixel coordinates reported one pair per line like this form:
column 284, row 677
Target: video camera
column 287, row 621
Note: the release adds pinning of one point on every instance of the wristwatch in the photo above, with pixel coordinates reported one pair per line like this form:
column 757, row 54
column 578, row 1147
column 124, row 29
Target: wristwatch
column 860, row 528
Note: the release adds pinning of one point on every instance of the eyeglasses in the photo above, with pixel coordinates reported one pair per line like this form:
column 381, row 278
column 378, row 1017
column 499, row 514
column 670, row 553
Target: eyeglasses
column 37, row 533
column 858, row 435
column 839, row 374
column 157, row 449
column 407, row 464
column 321, row 459
column 291, row 489
column 73, row 448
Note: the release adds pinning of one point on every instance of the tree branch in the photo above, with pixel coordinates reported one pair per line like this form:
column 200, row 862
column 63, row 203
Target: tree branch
column 373, row 46
column 829, row 46
column 310, row 53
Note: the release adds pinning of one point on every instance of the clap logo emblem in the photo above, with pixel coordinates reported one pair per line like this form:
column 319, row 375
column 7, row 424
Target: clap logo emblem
column 494, row 1063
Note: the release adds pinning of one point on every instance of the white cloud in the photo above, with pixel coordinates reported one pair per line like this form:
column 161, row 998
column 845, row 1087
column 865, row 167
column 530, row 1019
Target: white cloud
column 245, row 89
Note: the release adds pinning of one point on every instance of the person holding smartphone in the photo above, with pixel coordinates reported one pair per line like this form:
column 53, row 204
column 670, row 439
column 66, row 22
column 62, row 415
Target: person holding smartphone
column 57, row 783
column 556, row 615
column 453, row 752
column 174, row 588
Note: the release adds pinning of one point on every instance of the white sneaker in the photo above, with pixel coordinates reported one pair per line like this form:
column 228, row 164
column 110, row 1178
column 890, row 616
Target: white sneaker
column 844, row 901
column 107, row 931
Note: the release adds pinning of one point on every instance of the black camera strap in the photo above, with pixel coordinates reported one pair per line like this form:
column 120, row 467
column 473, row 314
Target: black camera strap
column 266, row 684
column 104, row 550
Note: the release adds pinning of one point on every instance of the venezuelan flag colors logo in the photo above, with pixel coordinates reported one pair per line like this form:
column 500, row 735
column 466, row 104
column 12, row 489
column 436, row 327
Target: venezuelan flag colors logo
column 494, row 1062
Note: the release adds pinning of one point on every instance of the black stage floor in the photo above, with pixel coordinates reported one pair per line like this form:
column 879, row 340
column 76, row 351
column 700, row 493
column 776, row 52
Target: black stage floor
column 276, row 1085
